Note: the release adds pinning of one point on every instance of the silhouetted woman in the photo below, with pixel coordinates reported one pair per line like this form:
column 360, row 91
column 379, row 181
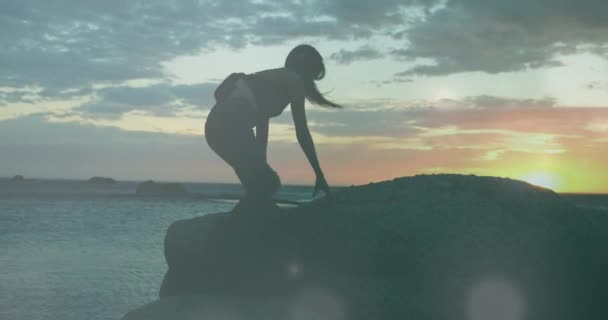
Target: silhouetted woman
column 248, row 101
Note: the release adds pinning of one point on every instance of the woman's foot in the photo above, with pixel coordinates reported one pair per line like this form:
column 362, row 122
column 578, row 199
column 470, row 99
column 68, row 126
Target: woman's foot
column 274, row 181
column 240, row 207
column 255, row 206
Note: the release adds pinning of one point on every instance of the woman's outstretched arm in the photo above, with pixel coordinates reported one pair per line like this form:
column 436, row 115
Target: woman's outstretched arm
column 305, row 141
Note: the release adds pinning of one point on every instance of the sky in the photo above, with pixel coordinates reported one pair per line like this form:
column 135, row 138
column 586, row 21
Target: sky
column 116, row 88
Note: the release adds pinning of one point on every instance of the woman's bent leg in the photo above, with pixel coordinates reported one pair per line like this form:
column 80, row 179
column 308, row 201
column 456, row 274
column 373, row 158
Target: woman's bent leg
column 237, row 146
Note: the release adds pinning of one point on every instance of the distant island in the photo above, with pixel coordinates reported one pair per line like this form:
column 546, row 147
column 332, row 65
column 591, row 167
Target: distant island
column 18, row 178
column 154, row 188
column 101, row 180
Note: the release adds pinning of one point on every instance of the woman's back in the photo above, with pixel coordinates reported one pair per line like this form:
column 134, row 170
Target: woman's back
column 271, row 90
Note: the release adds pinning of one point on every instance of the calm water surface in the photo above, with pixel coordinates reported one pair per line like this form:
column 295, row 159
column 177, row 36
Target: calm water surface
column 75, row 257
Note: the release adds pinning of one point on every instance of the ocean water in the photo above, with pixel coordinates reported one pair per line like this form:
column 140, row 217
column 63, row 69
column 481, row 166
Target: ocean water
column 73, row 250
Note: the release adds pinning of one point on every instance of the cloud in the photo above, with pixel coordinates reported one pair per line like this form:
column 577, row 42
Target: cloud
column 493, row 102
column 362, row 53
column 362, row 12
column 362, row 123
column 393, row 80
column 16, row 95
column 488, row 128
column 361, row 118
column 65, row 49
column 64, row 44
column 398, row 119
column 596, row 85
column 567, row 123
column 39, row 130
column 162, row 99
column 597, row 125
column 501, row 36
column 494, row 142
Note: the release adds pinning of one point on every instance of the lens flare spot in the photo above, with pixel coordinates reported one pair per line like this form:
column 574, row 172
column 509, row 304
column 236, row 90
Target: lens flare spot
column 495, row 300
column 294, row 269
column 316, row 304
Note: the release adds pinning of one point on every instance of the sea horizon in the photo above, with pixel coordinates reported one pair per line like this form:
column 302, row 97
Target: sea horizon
column 219, row 183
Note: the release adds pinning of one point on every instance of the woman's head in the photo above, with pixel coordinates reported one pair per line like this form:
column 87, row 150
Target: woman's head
column 307, row 62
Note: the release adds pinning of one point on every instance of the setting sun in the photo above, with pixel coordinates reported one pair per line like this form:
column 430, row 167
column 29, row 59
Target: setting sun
column 542, row 179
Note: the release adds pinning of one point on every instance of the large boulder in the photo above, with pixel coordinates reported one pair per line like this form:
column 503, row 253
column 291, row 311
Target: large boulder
column 424, row 247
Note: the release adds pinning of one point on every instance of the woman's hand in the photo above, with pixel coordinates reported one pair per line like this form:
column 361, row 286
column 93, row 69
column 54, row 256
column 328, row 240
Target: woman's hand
column 321, row 185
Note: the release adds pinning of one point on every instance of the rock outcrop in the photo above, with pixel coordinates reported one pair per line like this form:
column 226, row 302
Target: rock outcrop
column 161, row 189
column 423, row 247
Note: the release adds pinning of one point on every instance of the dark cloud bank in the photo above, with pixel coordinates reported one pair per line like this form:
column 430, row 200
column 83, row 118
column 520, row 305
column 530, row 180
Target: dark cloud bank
column 65, row 47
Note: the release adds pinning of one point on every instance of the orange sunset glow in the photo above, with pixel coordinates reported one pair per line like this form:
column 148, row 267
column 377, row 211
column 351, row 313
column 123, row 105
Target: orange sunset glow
column 563, row 149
